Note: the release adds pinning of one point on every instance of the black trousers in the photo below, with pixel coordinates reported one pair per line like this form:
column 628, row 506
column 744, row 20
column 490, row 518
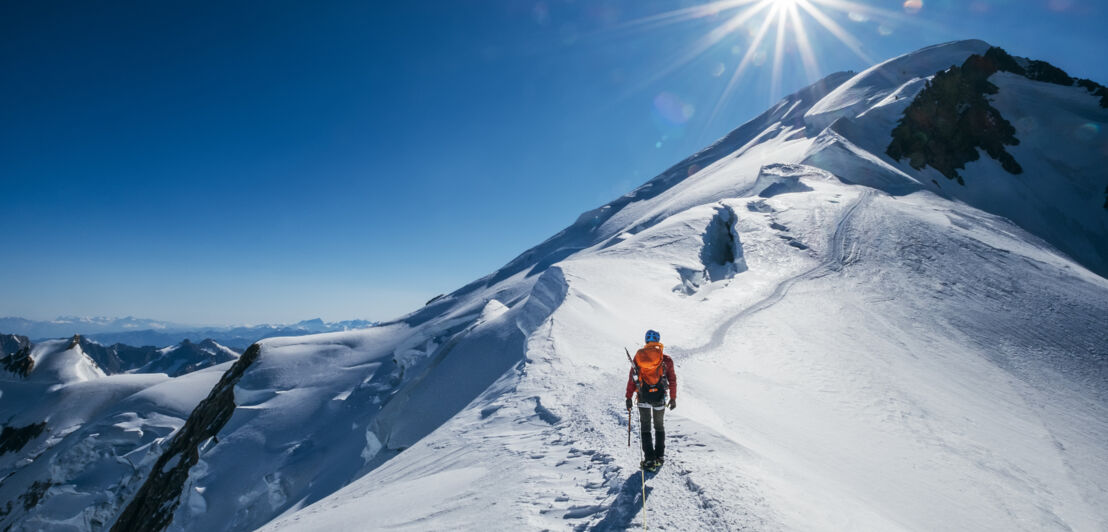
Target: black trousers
column 655, row 448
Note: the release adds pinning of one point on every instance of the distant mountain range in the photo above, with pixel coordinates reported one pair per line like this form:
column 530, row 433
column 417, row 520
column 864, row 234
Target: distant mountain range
column 863, row 342
column 175, row 360
column 145, row 332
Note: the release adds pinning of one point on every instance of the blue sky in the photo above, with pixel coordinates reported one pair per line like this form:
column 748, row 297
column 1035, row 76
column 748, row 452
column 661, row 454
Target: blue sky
column 246, row 162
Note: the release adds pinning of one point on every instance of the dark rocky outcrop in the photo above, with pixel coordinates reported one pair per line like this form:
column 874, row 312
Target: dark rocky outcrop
column 118, row 358
column 1042, row 71
column 15, row 354
column 187, row 357
column 153, row 505
column 951, row 118
column 12, row 439
column 11, row 343
column 1097, row 89
column 35, row 493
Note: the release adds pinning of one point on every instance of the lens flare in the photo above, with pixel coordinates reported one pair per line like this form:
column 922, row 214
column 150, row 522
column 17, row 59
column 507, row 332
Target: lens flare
column 745, row 30
column 672, row 109
column 1060, row 5
column 913, row 6
column 1087, row 131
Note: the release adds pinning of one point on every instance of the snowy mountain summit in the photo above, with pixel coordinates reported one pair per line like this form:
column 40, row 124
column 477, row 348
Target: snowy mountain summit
column 878, row 321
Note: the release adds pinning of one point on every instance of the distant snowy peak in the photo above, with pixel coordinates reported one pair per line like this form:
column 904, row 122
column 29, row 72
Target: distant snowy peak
column 1013, row 136
column 15, row 354
column 128, row 322
column 63, row 362
column 874, row 84
column 318, row 325
column 793, row 256
column 20, row 357
column 953, row 117
column 10, row 343
column 187, row 357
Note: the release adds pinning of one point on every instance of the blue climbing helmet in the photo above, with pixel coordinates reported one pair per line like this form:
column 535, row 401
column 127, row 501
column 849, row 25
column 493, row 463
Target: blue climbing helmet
column 653, row 336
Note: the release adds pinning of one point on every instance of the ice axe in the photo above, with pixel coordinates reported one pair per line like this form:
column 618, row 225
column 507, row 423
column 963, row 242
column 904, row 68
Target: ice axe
column 635, row 370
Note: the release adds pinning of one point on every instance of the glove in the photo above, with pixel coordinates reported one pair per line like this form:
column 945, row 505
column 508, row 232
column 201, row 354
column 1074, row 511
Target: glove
column 629, row 403
column 673, row 403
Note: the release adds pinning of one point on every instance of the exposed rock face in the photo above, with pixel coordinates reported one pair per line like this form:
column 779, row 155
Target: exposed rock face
column 13, row 439
column 10, row 343
column 15, row 354
column 1097, row 89
column 187, row 357
column 183, row 358
column 952, row 118
column 118, row 358
column 153, row 506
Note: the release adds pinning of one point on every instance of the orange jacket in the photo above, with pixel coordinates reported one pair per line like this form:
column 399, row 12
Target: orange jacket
column 648, row 356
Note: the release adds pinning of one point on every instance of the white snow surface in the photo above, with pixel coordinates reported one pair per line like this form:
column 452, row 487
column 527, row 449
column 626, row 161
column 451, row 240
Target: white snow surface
column 63, row 362
column 856, row 349
column 888, row 378
column 889, row 355
column 100, row 441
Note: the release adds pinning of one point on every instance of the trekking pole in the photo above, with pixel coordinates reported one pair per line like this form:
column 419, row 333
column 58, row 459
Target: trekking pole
column 642, row 478
column 642, row 472
column 628, row 427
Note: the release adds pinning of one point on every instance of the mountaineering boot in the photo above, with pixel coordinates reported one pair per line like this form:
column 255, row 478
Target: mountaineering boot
column 647, row 465
column 658, row 462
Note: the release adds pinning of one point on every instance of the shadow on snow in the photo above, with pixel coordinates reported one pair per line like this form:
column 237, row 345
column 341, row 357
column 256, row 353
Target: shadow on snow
column 627, row 505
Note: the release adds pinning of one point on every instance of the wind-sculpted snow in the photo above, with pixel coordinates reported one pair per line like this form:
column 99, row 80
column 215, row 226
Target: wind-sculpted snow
column 597, row 225
column 1060, row 148
column 854, row 97
column 857, row 348
column 98, row 441
column 870, row 367
column 63, row 361
column 312, row 414
column 153, row 505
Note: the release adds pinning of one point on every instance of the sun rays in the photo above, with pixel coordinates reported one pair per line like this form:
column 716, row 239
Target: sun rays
column 761, row 28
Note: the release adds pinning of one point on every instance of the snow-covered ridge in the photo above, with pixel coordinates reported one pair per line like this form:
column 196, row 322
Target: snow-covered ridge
column 871, row 87
column 856, row 348
column 63, row 362
column 831, row 271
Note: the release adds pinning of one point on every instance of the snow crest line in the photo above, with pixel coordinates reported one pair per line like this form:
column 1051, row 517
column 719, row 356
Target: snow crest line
column 835, row 262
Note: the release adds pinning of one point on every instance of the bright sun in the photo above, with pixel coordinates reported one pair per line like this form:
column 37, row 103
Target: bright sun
column 757, row 18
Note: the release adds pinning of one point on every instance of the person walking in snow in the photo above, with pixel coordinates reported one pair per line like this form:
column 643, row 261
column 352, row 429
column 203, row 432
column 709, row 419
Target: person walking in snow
column 655, row 376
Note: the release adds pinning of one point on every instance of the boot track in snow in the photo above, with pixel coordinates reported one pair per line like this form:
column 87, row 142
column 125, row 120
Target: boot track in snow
column 631, row 497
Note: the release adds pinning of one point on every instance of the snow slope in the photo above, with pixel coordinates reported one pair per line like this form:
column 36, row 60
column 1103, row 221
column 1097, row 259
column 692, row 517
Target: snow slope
column 875, row 381
column 878, row 355
column 83, row 441
column 857, row 347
